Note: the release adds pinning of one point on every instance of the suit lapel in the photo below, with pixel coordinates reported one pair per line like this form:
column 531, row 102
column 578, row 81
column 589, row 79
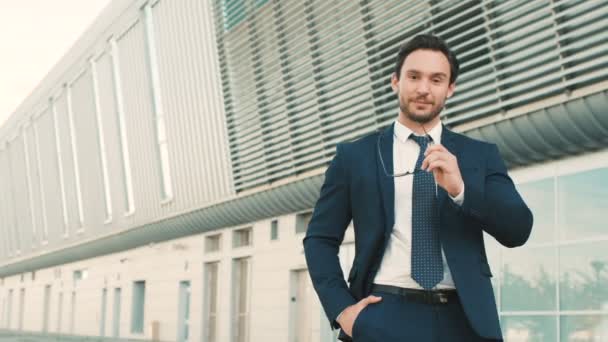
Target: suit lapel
column 384, row 146
column 387, row 183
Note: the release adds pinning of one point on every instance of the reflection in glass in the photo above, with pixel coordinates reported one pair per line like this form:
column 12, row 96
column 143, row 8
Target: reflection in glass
column 528, row 279
column 584, row 328
column 539, row 196
column 529, row 328
column 531, row 308
column 493, row 249
column 584, row 276
column 582, row 203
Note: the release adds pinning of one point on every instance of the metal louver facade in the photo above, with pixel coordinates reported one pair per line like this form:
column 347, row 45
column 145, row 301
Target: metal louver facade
column 254, row 95
column 299, row 76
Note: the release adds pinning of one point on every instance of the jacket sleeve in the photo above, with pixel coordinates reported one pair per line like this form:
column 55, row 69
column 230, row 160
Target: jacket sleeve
column 330, row 218
column 497, row 205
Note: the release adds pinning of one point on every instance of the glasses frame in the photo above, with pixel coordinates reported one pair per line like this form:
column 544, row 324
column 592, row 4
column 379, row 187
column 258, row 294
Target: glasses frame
column 406, row 173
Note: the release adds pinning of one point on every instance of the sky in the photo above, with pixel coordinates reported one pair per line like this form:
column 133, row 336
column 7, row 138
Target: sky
column 34, row 36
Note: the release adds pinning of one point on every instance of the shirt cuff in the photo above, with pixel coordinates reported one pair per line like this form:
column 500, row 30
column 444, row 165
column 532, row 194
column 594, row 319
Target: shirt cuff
column 459, row 199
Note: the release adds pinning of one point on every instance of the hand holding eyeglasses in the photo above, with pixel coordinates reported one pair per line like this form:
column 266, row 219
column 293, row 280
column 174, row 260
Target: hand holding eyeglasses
column 444, row 166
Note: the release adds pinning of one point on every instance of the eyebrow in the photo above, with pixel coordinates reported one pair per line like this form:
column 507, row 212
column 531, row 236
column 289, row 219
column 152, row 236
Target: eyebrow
column 435, row 74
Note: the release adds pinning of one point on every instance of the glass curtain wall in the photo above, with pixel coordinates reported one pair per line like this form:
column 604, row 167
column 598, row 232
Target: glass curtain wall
column 555, row 288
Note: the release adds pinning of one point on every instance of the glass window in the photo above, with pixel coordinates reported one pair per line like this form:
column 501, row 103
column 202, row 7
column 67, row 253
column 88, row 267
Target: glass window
column 493, row 249
column 584, row 276
column 582, row 203
column 530, row 328
column 137, row 314
column 184, row 311
column 77, row 275
column 241, row 237
column 9, row 309
column 212, row 243
column 210, row 313
column 528, row 279
column 302, row 221
column 584, row 328
column 80, row 275
column 540, row 198
column 240, row 303
column 274, row 230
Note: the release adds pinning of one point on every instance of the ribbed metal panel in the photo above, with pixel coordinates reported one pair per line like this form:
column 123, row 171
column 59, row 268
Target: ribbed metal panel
column 112, row 138
column 50, row 175
column 139, row 123
column 192, row 104
column 6, row 222
column 328, row 63
column 10, row 204
column 559, row 141
column 559, row 131
column 86, row 139
column 33, row 189
column 17, row 235
column 293, row 197
column 101, row 141
column 20, row 195
column 63, row 133
column 106, row 101
column 297, row 77
column 160, row 126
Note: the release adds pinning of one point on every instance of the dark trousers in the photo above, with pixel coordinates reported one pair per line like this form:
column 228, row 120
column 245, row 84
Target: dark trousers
column 396, row 318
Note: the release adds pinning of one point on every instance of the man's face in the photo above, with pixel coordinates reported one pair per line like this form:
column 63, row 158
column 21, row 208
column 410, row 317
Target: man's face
column 423, row 86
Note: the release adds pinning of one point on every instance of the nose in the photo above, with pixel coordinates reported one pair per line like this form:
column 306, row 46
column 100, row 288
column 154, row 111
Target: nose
column 422, row 87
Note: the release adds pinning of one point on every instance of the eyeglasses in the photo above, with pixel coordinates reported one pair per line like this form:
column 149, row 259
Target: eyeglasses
column 406, row 173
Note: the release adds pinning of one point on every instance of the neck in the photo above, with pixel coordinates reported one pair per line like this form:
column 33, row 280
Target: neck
column 417, row 127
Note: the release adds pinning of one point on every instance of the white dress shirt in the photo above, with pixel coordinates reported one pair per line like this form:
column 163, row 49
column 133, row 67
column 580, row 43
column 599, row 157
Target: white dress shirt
column 395, row 268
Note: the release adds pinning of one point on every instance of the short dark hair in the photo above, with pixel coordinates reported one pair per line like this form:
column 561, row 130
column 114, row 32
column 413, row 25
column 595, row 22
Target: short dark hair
column 428, row 42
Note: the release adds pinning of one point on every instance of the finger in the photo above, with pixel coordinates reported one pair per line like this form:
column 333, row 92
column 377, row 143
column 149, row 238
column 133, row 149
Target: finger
column 437, row 147
column 443, row 155
column 431, row 158
column 438, row 152
column 438, row 165
column 372, row 299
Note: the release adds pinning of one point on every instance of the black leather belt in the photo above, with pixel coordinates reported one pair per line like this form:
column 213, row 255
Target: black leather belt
column 422, row 296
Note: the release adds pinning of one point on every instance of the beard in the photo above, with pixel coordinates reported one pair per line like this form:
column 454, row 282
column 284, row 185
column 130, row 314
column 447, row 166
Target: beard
column 421, row 118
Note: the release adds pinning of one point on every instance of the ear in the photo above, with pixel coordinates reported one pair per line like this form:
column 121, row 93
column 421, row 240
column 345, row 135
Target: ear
column 451, row 89
column 395, row 83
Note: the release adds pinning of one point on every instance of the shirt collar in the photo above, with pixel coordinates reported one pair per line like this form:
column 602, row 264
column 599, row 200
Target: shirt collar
column 402, row 133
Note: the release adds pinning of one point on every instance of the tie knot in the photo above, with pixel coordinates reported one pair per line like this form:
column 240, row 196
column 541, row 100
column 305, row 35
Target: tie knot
column 422, row 141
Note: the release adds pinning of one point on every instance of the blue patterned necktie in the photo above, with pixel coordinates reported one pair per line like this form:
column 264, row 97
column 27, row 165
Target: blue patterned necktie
column 427, row 264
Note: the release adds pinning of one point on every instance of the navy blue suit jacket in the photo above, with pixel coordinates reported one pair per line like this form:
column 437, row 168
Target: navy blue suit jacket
column 356, row 188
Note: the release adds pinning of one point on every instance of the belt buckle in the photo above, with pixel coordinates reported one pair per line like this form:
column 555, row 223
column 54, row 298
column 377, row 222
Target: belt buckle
column 443, row 297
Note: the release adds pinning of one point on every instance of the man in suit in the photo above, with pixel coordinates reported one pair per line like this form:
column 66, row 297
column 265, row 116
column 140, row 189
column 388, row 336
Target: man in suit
column 419, row 196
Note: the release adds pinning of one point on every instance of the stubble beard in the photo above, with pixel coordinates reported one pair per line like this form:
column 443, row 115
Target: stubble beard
column 420, row 118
